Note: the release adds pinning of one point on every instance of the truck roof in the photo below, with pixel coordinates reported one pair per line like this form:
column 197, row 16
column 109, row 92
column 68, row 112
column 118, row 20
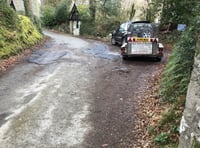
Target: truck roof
column 140, row 22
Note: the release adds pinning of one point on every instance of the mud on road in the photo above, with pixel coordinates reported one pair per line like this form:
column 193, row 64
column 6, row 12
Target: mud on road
column 113, row 113
column 72, row 93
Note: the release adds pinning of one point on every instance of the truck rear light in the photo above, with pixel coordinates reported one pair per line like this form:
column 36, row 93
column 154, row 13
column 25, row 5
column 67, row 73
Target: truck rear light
column 154, row 39
column 123, row 50
column 160, row 50
column 157, row 40
column 129, row 39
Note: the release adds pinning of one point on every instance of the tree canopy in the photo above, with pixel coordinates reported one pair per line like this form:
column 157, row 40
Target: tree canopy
column 175, row 11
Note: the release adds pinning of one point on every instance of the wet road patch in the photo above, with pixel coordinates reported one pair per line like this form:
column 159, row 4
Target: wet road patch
column 42, row 57
column 102, row 51
column 3, row 117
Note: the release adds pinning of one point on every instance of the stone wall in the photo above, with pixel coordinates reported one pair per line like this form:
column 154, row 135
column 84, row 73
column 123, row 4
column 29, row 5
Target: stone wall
column 19, row 5
column 35, row 6
column 190, row 123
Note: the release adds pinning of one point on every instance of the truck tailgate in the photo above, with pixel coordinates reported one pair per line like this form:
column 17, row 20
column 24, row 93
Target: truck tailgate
column 140, row 48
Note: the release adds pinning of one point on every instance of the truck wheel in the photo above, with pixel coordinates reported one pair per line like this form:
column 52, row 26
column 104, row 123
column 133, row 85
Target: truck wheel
column 125, row 57
column 147, row 33
column 158, row 59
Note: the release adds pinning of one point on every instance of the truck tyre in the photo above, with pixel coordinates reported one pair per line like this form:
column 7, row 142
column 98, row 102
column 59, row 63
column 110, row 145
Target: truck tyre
column 158, row 59
column 147, row 33
column 125, row 57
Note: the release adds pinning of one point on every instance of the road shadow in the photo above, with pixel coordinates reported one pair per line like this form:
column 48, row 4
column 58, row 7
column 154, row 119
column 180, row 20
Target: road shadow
column 147, row 60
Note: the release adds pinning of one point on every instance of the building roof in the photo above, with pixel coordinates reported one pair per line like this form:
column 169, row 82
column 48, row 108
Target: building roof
column 74, row 14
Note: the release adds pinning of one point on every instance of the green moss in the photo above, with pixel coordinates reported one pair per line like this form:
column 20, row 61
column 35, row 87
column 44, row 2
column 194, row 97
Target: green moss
column 8, row 17
column 198, row 46
column 163, row 138
column 14, row 40
column 196, row 144
column 168, row 117
column 178, row 70
column 29, row 34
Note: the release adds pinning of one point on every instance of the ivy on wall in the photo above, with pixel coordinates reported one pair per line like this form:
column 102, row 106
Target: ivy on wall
column 27, row 7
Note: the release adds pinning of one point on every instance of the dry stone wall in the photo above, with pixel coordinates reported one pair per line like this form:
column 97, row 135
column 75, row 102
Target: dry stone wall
column 35, row 6
column 19, row 5
column 190, row 123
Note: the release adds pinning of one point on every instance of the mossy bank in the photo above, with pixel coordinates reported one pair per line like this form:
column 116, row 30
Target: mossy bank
column 17, row 32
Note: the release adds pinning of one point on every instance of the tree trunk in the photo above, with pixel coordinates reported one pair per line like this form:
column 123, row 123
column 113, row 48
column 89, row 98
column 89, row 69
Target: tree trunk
column 27, row 6
column 92, row 8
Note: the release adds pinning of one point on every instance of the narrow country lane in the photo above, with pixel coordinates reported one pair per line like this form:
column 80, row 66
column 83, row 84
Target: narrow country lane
column 71, row 92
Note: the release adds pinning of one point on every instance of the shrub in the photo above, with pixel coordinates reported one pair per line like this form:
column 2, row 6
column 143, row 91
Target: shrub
column 195, row 144
column 88, row 28
column 84, row 12
column 106, row 26
column 8, row 17
column 48, row 19
column 62, row 11
column 99, row 28
column 37, row 22
column 178, row 70
column 64, row 27
column 15, row 40
column 163, row 138
column 28, row 33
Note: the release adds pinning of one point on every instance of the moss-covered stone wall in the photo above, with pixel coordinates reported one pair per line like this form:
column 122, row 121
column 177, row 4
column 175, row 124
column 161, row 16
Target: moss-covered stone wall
column 17, row 32
column 190, row 123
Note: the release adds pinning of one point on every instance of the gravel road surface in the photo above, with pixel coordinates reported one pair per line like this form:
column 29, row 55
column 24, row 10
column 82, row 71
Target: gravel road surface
column 72, row 92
